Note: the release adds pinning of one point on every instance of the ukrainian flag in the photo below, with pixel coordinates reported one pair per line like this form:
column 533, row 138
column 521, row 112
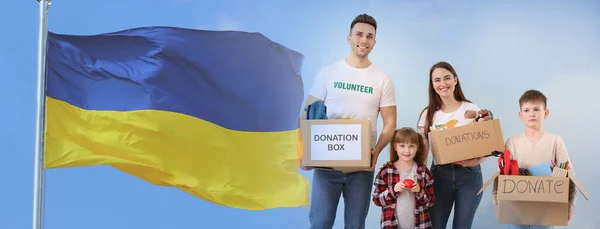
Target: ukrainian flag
column 213, row 113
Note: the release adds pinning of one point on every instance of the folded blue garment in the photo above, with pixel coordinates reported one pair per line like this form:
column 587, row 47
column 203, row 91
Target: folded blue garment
column 542, row 169
column 316, row 110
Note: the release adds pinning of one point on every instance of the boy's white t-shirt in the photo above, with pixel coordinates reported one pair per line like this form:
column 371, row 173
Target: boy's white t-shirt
column 355, row 93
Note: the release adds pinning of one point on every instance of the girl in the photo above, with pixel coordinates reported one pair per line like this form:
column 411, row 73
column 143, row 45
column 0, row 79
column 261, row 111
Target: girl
column 405, row 206
column 456, row 184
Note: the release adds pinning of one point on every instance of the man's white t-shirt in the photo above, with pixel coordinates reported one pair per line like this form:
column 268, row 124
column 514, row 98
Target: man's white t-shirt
column 355, row 93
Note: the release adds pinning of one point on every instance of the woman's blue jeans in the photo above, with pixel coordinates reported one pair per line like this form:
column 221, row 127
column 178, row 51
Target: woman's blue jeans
column 455, row 186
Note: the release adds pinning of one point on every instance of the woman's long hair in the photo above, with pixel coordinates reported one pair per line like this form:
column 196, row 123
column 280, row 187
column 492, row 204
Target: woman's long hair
column 435, row 102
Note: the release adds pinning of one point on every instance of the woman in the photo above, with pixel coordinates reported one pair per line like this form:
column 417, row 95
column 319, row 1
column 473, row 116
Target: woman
column 455, row 184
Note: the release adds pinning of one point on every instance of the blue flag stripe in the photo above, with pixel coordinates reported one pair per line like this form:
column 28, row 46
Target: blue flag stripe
column 237, row 80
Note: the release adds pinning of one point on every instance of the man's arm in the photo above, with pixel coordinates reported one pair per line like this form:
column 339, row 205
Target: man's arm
column 388, row 114
column 318, row 90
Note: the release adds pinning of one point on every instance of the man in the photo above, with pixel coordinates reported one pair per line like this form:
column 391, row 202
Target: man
column 352, row 88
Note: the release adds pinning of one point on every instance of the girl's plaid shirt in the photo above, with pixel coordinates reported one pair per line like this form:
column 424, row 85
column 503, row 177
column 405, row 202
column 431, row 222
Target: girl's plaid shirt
column 385, row 197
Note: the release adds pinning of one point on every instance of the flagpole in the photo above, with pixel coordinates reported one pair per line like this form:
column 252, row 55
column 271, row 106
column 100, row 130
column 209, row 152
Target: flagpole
column 38, row 183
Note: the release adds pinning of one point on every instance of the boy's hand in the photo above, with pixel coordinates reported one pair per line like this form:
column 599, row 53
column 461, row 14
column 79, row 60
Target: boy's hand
column 570, row 211
column 399, row 187
column 416, row 188
column 496, row 210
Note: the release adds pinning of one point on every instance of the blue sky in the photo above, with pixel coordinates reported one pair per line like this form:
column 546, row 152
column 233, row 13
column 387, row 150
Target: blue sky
column 499, row 48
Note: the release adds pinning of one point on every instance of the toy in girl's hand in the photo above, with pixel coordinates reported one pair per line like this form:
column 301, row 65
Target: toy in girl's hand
column 408, row 183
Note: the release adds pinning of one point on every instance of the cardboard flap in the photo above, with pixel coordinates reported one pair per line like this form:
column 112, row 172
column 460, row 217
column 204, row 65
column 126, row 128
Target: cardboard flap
column 578, row 185
column 489, row 182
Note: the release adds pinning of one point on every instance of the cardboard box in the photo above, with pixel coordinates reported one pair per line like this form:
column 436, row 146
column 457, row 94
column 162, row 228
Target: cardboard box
column 466, row 142
column 343, row 145
column 534, row 200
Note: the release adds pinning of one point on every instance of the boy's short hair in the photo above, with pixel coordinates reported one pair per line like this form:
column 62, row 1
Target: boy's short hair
column 533, row 96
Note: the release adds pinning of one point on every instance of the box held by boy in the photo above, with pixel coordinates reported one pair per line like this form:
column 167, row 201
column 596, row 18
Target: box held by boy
column 342, row 144
column 534, row 200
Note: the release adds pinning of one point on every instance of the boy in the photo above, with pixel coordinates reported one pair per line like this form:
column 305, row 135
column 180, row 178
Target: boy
column 535, row 145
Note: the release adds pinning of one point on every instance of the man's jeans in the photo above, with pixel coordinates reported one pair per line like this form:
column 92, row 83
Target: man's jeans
column 455, row 185
column 514, row 226
column 328, row 186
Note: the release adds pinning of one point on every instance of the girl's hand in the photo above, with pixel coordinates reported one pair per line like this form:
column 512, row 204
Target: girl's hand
column 399, row 187
column 416, row 188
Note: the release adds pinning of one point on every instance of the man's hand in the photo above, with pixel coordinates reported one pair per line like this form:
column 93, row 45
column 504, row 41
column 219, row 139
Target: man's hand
column 416, row 188
column 305, row 168
column 388, row 114
column 399, row 187
column 374, row 156
column 470, row 162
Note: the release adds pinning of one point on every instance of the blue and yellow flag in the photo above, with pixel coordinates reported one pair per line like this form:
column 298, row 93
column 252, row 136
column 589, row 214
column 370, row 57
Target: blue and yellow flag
column 213, row 113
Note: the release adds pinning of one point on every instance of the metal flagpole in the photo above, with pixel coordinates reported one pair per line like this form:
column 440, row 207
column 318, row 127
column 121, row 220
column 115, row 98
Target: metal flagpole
column 38, row 183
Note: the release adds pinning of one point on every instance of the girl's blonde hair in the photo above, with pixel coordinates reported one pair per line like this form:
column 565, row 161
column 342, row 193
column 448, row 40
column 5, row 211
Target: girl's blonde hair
column 408, row 135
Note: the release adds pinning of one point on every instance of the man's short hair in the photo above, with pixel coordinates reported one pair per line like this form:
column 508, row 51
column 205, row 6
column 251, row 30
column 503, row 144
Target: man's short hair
column 533, row 96
column 364, row 18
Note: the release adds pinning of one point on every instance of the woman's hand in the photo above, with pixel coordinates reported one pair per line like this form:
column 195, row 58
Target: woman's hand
column 470, row 162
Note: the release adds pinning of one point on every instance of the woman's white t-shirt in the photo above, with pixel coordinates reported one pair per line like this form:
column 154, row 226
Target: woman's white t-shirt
column 440, row 118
